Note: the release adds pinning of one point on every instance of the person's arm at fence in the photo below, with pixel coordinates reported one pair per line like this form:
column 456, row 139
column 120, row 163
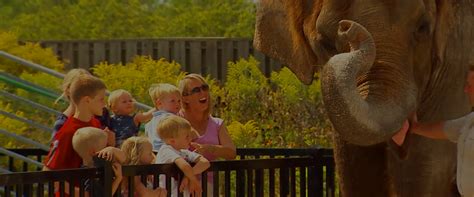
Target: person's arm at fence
column 202, row 164
column 183, row 165
column 118, row 177
column 112, row 154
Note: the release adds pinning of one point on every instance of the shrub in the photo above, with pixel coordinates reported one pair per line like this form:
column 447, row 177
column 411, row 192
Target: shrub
column 138, row 75
column 37, row 54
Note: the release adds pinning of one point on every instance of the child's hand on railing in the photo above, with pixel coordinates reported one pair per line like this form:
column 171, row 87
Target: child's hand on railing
column 107, row 153
column 194, row 187
column 184, row 184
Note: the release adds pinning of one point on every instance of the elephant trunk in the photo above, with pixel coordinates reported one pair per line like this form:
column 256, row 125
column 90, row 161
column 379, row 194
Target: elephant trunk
column 366, row 102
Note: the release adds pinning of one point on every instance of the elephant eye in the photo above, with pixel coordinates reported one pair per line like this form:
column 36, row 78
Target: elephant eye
column 424, row 27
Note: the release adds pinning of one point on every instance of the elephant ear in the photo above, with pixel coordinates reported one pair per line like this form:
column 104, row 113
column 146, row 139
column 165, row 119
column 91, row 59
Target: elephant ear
column 279, row 34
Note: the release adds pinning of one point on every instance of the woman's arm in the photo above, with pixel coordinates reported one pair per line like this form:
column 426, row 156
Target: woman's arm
column 227, row 148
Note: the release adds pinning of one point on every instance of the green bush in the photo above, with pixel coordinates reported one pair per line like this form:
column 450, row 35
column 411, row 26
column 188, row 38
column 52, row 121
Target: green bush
column 34, row 53
column 286, row 112
column 138, row 75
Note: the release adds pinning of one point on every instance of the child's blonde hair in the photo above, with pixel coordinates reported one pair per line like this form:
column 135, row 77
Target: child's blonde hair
column 70, row 76
column 171, row 126
column 88, row 138
column 85, row 85
column 114, row 96
column 133, row 148
column 159, row 91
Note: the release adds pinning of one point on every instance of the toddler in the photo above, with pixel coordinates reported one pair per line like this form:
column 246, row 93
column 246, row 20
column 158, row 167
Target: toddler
column 176, row 134
column 167, row 101
column 139, row 152
column 124, row 122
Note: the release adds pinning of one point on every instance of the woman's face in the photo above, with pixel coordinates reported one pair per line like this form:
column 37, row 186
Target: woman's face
column 196, row 95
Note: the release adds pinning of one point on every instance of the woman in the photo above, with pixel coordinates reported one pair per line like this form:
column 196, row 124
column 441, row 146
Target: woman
column 213, row 141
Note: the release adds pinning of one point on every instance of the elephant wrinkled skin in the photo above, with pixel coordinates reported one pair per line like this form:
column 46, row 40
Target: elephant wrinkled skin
column 380, row 60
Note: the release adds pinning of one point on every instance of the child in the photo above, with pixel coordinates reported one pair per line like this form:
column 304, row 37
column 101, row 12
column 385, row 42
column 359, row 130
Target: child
column 87, row 94
column 138, row 151
column 65, row 87
column 69, row 78
column 88, row 142
column 124, row 122
column 176, row 134
column 167, row 101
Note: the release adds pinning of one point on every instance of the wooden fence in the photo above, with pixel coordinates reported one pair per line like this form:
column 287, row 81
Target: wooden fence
column 197, row 55
column 256, row 172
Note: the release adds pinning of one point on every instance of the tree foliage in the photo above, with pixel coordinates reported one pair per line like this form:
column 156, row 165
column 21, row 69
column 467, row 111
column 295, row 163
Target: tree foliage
column 108, row 19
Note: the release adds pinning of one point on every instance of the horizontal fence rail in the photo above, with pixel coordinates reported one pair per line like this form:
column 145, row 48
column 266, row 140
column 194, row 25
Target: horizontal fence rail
column 300, row 172
column 196, row 55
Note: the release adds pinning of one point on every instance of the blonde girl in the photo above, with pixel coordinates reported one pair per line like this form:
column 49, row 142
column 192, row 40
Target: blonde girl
column 72, row 75
column 139, row 152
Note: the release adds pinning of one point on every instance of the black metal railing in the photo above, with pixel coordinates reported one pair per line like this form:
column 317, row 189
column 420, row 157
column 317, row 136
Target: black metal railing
column 257, row 172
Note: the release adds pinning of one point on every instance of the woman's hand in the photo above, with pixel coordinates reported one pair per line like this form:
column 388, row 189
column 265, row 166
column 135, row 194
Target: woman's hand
column 203, row 148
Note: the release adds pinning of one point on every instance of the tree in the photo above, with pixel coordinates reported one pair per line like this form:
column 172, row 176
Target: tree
column 112, row 19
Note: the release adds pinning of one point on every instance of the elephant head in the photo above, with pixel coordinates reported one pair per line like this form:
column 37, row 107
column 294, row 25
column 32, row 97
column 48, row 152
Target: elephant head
column 380, row 60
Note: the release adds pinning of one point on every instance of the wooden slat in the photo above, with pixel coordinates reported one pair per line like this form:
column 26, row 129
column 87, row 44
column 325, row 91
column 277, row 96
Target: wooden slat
column 211, row 58
column 227, row 55
column 99, row 52
column 147, row 47
column 114, row 52
column 195, row 57
column 130, row 50
column 83, row 55
column 179, row 53
column 164, row 49
column 67, row 55
column 243, row 48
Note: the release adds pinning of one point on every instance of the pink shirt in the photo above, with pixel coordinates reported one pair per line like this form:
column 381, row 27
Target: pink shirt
column 211, row 136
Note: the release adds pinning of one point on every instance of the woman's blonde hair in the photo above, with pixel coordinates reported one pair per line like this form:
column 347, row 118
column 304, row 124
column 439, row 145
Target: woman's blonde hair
column 133, row 149
column 183, row 87
column 114, row 96
column 70, row 77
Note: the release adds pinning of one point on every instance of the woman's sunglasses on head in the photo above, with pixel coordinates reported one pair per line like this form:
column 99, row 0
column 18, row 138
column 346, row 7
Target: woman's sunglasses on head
column 203, row 87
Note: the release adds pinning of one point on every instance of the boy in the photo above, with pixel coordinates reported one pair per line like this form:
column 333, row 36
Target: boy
column 167, row 101
column 176, row 134
column 87, row 93
column 88, row 142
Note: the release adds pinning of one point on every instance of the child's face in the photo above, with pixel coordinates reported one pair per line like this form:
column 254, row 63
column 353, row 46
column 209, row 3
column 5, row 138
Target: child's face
column 170, row 103
column 183, row 140
column 147, row 155
column 97, row 103
column 124, row 105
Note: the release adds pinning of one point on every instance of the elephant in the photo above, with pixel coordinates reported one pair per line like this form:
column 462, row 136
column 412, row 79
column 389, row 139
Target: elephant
column 379, row 61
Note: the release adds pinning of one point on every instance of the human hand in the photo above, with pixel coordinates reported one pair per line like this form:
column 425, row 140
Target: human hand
column 195, row 187
column 160, row 192
column 401, row 134
column 202, row 148
column 107, row 153
column 184, row 184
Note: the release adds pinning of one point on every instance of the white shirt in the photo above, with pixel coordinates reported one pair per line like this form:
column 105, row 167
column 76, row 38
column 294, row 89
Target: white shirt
column 461, row 131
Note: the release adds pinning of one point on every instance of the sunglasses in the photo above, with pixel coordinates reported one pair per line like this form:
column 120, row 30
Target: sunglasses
column 198, row 89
